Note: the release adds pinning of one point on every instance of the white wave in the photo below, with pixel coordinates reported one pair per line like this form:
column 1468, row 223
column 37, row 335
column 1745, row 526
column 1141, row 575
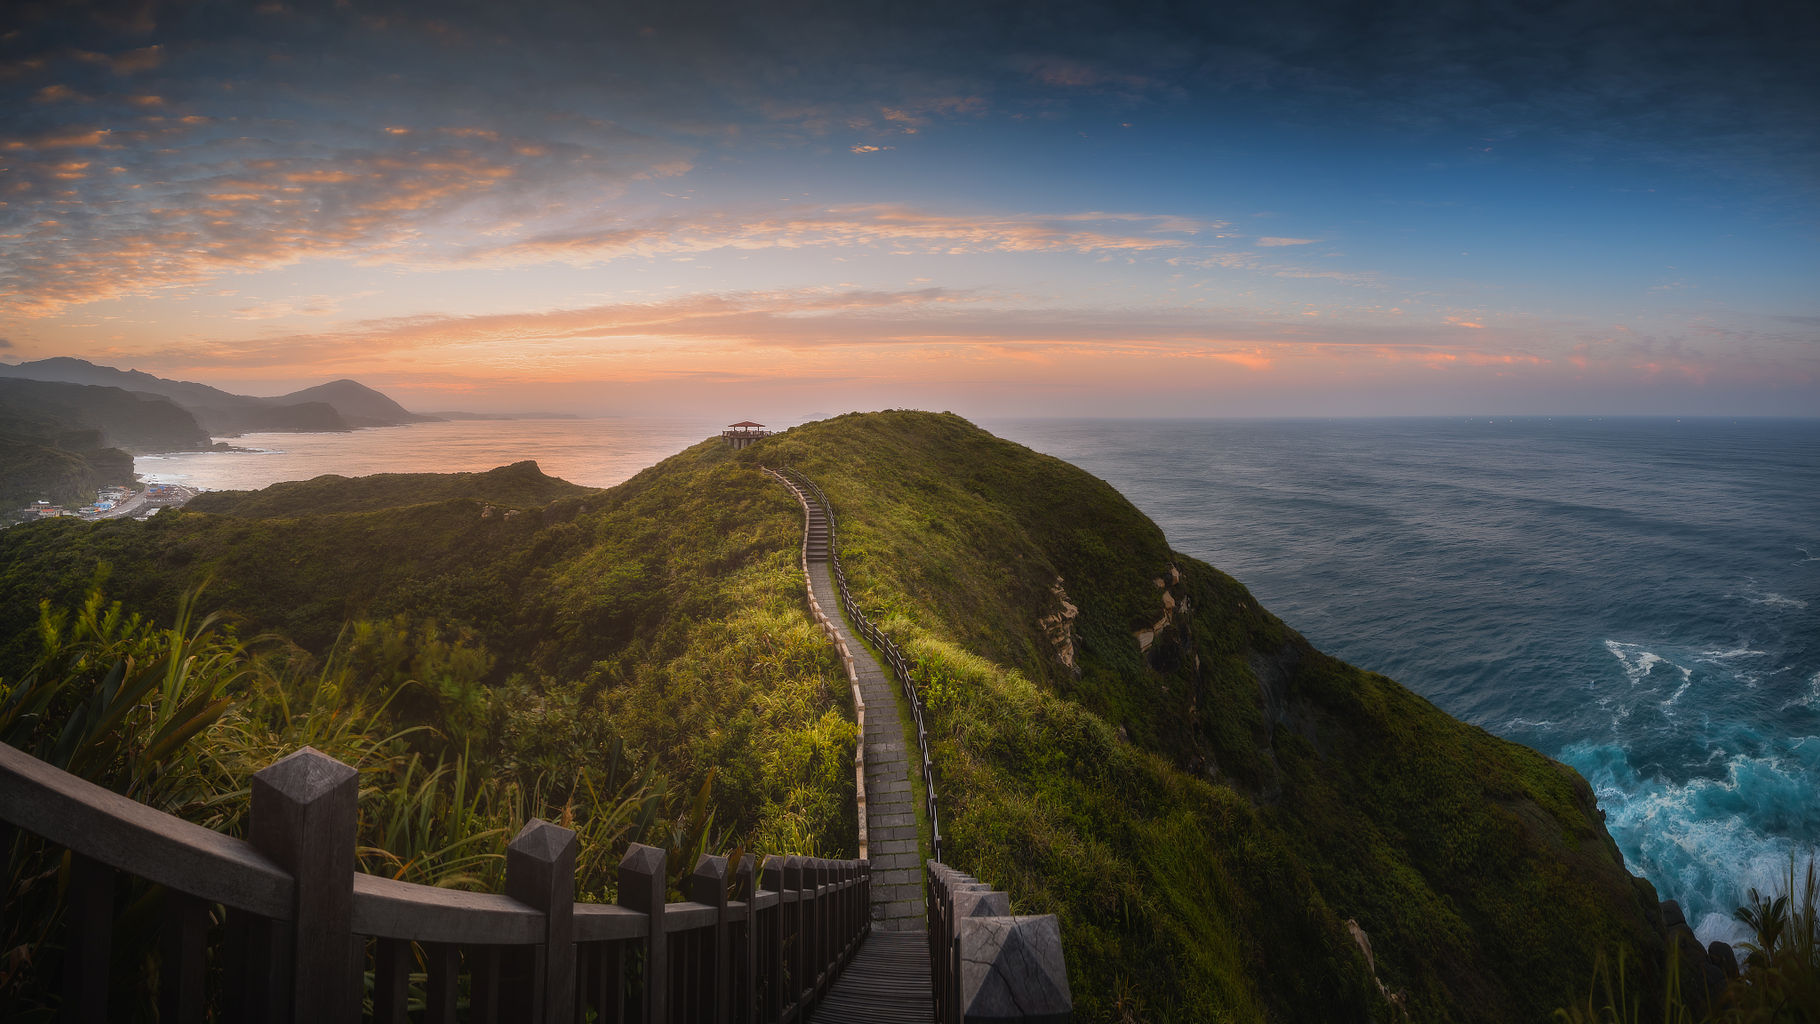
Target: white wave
column 1812, row 700
column 1772, row 599
column 1687, row 680
column 1703, row 841
column 1736, row 652
column 1637, row 662
column 1528, row 723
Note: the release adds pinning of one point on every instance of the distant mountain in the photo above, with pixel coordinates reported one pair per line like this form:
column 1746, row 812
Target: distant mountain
column 62, row 441
column 124, row 419
column 341, row 405
column 358, row 404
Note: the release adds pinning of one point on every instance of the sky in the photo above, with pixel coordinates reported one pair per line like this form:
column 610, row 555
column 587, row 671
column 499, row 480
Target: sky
column 1053, row 208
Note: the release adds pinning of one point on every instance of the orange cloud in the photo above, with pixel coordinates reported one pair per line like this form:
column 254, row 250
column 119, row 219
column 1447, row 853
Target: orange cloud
column 892, row 228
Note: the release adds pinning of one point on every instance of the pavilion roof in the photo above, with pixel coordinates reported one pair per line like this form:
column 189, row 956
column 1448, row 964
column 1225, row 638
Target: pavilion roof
column 745, row 423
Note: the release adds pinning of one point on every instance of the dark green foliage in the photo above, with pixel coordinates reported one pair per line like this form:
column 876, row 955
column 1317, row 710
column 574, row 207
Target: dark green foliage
column 518, row 486
column 64, row 469
column 126, row 419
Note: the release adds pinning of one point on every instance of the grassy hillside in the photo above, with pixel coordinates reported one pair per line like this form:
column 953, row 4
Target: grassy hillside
column 669, row 608
column 1124, row 737
column 519, row 486
column 1208, row 813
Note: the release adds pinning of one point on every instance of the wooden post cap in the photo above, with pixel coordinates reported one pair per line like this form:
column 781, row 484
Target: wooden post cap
column 981, row 903
column 1011, row 969
column 708, row 882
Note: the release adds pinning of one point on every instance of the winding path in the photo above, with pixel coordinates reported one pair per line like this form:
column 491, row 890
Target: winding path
column 888, row 979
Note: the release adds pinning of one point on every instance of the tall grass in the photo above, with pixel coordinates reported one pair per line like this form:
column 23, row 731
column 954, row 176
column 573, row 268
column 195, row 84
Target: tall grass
column 1779, row 982
column 179, row 718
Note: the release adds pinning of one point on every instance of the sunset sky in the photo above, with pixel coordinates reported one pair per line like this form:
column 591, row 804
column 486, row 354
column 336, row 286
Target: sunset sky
column 1043, row 208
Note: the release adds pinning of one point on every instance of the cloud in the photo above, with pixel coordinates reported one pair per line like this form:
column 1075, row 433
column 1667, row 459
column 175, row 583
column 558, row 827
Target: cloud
column 1272, row 242
column 885, row 227
column 58, row 93
column 164, row 202
column 133, row 61
column 871, row 149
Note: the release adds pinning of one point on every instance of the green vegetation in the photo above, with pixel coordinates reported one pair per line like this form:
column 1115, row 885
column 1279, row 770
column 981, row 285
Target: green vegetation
column 1124, row 737
column 1779, row 983
column 125, row 419
column 1208, row 814
column 636, row 665
column 66, row 468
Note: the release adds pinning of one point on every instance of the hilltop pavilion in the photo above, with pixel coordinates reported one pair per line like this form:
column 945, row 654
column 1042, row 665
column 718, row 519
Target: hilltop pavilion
column 743, row 433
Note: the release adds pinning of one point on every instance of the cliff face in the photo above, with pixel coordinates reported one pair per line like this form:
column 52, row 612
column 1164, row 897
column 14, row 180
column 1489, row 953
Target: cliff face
column 1225, row 818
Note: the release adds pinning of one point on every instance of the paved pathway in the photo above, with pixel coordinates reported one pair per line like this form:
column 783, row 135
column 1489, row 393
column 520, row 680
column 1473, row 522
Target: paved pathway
column 888, row 979
column 897, row 872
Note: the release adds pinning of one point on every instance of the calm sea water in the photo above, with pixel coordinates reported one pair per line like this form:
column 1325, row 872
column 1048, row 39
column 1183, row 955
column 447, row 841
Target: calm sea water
column 591, row 452
column 1640, row 599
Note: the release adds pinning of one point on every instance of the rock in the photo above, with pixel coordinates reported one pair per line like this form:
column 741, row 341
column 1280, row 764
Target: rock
column 1059, row 628
column 1722, row 955
column 1671, row 915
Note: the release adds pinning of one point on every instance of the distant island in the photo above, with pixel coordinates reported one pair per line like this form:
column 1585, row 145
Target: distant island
column 69, row 427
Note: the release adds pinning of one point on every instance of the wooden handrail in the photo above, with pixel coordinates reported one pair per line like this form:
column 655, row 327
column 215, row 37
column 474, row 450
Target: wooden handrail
column 387, row 908
column 765, row 956
column 128, row 836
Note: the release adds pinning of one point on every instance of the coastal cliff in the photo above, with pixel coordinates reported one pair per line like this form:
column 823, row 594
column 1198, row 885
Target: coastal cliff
column 1229, row 823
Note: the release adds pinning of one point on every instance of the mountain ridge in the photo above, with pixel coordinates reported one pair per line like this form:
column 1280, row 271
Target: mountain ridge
column 335, row 406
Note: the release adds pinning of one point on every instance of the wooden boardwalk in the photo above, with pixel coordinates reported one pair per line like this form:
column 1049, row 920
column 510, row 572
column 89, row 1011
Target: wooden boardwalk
column 886, row 982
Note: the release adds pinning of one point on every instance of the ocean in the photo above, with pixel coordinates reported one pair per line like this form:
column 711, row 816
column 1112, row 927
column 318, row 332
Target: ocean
column 1638, row 598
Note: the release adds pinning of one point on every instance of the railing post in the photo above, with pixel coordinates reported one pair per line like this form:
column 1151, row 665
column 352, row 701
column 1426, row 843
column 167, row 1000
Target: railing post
column 89, row 923
column 745, row 949
column 864, row 899
column 708, row 884
column 304, row 817
column 775, row 1002
column 642, row 888
column 540, row 872
column 800, row 931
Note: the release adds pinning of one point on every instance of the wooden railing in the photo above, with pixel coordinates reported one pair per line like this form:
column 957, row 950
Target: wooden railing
column 986, row 964
column 833, row 633
column 306, row 936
